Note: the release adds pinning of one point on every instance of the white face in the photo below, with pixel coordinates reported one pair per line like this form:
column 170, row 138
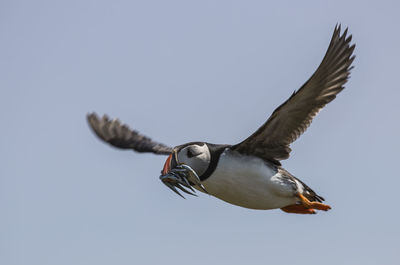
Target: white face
column 196, row 156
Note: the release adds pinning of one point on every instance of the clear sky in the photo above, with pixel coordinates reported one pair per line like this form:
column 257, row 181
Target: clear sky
column 182, row 71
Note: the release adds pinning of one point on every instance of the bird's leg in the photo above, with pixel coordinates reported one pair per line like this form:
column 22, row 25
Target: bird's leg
column 312, row 205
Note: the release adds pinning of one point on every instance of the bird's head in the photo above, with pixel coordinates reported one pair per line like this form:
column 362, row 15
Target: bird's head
column 185, row 165
column 195, row 155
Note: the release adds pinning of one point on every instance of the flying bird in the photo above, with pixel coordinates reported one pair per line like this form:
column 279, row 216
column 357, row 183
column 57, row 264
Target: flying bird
column 249, row 174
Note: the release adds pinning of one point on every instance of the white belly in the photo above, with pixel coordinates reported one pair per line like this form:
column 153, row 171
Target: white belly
column 248, row 182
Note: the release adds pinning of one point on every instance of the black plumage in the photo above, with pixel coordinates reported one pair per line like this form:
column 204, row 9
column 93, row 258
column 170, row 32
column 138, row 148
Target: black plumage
column 272, row 140
column 121, row 136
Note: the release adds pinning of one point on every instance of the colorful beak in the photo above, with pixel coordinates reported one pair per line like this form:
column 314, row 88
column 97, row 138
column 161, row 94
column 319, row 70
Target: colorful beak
column 167, row 165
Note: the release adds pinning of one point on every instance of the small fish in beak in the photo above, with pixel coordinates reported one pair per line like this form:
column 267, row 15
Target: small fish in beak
column 181, row 177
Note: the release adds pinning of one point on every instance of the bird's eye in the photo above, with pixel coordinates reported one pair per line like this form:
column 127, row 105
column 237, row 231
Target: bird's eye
column 192, row 153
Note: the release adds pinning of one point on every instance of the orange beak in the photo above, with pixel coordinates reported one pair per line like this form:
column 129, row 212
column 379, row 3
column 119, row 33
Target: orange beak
column 167, row 165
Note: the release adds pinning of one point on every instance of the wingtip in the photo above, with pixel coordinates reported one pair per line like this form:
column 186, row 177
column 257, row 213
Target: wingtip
column 345, row 32
column 338, row 29
column 91, row 115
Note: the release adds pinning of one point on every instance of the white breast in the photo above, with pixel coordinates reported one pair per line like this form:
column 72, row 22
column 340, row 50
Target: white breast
column 249, row 182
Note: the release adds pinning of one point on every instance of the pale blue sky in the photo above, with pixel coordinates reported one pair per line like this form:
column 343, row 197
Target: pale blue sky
column 180, row 71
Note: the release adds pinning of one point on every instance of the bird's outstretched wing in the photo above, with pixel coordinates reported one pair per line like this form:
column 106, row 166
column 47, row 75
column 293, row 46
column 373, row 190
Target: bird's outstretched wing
column 121, row 136
column 272, row 140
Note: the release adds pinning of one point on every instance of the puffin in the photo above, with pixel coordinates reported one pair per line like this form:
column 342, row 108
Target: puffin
column 248, row 174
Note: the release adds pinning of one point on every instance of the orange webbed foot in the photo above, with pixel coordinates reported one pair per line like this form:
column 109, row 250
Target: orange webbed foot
column 320, row 206
column 298, row 208
column 313, row 205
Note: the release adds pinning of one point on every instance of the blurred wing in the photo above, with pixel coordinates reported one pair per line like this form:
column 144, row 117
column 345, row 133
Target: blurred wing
column 119, row 135
column 272, row 140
